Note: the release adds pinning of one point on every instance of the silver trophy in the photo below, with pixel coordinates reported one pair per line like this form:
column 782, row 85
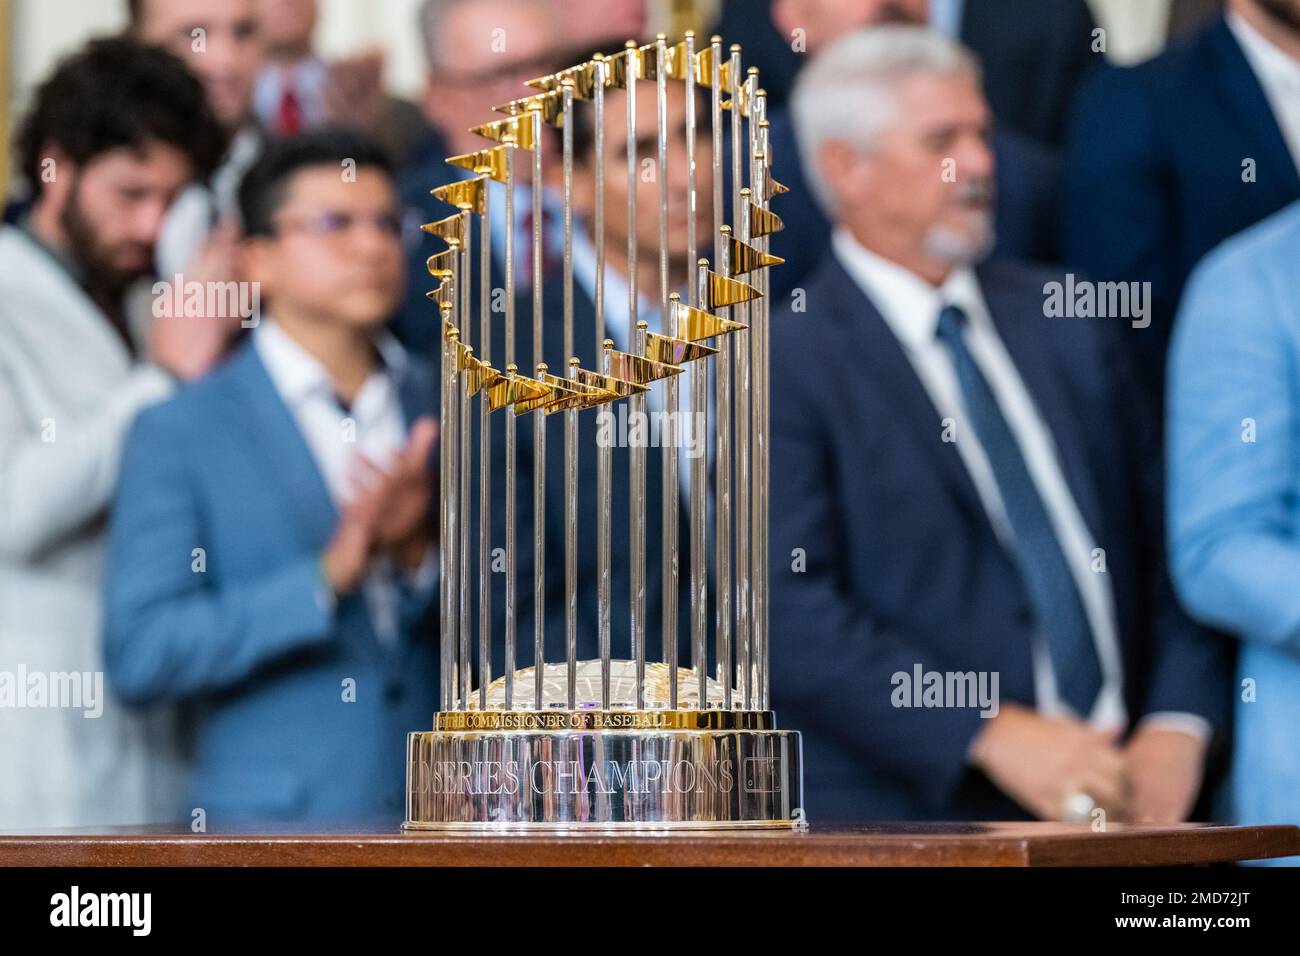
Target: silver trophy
column 612, row 743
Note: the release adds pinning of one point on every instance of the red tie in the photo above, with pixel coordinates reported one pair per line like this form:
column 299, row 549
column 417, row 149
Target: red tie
column 289, row 121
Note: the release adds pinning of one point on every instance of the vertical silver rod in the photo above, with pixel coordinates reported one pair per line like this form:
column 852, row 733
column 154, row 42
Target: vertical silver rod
column 700, row 511
column 484, row 466
column 511, row 623
column 447, row 638
column 463, row 398
column 570, row 415
column 571, row 546
column 539, row 429
column 604, row 536
column 539, row 548
column 699, row 405
column 671, row 571
column 689, row 41
column 763, row 607
column 604, row 453
column 757, row 443
column 740, row 218
column 636, row 403
column 723, row 542
column 449, row 554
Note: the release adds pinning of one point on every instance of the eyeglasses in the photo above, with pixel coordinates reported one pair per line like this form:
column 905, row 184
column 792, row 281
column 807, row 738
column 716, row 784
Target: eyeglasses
column 331, row 224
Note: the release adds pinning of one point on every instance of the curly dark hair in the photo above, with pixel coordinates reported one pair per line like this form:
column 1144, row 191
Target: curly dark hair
column 115, row 93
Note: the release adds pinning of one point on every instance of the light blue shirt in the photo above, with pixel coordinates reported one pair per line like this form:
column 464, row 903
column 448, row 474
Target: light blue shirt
column 1234, row 492
column 945, row 17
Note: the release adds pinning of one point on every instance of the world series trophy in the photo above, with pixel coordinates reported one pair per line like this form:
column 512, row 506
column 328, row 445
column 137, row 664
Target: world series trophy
column 609, row 743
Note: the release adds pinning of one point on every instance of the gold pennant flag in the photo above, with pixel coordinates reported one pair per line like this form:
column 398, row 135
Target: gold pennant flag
column 519, row 128
column 534, row 394
column 549, row 103
column 508, row 389
column 463, row 193
column 485, row 162
column 741, row 96
column 724, row 291
column 583, row 76
column 621, row 66
column 774, row 188
column 608, row 383
column 745, row 258
column 638, row 369
column 558, row 390
column 571, row 393
column 440, row 264
column 676, row 63
column 450, row 230
column 704, row 69
column 695, row 324
column 763, row 222
column 464, row 356
column 479, row 375
column 670, row 351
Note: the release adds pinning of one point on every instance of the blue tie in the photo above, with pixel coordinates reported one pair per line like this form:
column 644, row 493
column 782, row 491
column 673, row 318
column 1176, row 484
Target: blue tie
column 1057, row 605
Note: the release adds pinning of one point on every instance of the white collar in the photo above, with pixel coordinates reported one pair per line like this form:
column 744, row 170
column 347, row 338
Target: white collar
column 1271, row 64
column 298, row 374
column 909, row 304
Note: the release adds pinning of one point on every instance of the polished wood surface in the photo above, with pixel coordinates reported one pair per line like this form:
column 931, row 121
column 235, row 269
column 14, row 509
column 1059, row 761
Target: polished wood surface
column 890, row 844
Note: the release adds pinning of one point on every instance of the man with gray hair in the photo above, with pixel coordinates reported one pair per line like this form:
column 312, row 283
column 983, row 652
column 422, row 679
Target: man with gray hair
column 1027, row 172
column 982, row 510
column 479, row 53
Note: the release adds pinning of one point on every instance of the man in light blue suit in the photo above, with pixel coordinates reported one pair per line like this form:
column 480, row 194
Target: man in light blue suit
column 1234, row 497
column 271, row 558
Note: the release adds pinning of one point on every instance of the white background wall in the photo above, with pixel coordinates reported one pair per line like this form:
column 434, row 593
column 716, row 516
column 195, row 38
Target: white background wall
column 43, row 30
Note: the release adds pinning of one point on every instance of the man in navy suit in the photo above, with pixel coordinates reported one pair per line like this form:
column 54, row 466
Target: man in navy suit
column 271, row 561
column 970, row 617
column 1169, row 158
column 1026, row 185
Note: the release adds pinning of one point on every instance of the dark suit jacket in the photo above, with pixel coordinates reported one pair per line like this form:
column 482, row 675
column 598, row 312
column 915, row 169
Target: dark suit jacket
column 1034, row 54
column 588, row 648
column 553, row 355
column 1027, row 208
column 904, row 567
column 1153, row 172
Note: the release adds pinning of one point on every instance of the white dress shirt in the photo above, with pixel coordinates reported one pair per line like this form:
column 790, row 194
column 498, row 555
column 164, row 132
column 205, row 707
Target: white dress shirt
column 910, row 307
column 1278, row 73
column 374, row 426
column 198, row 208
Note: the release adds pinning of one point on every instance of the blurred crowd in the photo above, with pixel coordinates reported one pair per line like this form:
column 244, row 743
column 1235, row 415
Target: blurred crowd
column 1035, row 423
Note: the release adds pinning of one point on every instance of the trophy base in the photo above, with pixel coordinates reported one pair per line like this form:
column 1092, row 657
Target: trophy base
column 581, row 770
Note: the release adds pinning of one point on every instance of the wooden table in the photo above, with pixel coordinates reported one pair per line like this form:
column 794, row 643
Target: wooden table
column 888, row 844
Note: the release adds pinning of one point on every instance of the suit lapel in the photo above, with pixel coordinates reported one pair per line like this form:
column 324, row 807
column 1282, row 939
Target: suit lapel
column 290, row 467
column 890, row 372
column 1249, row 106
column 1043, row 378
